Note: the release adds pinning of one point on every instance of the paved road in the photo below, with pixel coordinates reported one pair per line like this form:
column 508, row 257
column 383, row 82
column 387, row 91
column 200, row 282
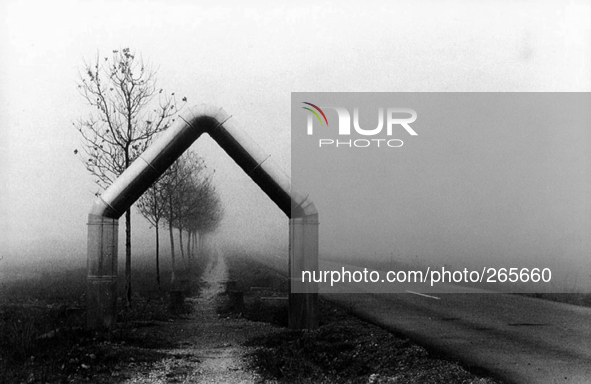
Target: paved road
column 520, row 339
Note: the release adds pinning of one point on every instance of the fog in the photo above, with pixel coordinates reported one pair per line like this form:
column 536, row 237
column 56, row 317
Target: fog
column 249, row 60
column 490, row 180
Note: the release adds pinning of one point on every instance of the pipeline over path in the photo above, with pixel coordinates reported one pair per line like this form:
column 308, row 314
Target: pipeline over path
column 103, row 218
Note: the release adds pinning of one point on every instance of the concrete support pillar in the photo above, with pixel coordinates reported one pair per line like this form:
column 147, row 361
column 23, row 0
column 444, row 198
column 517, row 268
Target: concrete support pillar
column 303, row 256
column 101, row 283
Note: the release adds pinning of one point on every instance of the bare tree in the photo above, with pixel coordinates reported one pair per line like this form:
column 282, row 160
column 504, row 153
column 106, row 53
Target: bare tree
column 171, row 182
column 192, row 187
column 129, row 110
column 152, row 207
column 202, row 212
column 190, row 200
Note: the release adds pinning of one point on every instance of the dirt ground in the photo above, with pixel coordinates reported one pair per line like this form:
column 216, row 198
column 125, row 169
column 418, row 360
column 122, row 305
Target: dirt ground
column 195, row 346
column 213, row 342
column 210, row 345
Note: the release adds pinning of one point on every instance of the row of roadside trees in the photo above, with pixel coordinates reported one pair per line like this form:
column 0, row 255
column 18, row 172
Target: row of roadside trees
column 183, row 199
column 129, row 111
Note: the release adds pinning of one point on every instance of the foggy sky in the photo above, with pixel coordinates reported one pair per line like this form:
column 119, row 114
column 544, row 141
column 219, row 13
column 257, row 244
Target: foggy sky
column 247, row 60
column 490, row 180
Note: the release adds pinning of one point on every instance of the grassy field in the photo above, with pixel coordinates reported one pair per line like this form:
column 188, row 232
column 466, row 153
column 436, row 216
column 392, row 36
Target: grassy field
column 42, row 318
column 343, row 350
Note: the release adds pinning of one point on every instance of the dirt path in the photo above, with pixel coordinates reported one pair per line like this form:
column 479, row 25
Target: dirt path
column 211, row 349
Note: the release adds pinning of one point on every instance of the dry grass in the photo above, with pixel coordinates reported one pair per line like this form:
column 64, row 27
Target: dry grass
column 42, row 333
column 343, row 350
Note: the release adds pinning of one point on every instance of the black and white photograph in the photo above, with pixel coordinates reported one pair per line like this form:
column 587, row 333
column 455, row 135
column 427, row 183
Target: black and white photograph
column 295, row 192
